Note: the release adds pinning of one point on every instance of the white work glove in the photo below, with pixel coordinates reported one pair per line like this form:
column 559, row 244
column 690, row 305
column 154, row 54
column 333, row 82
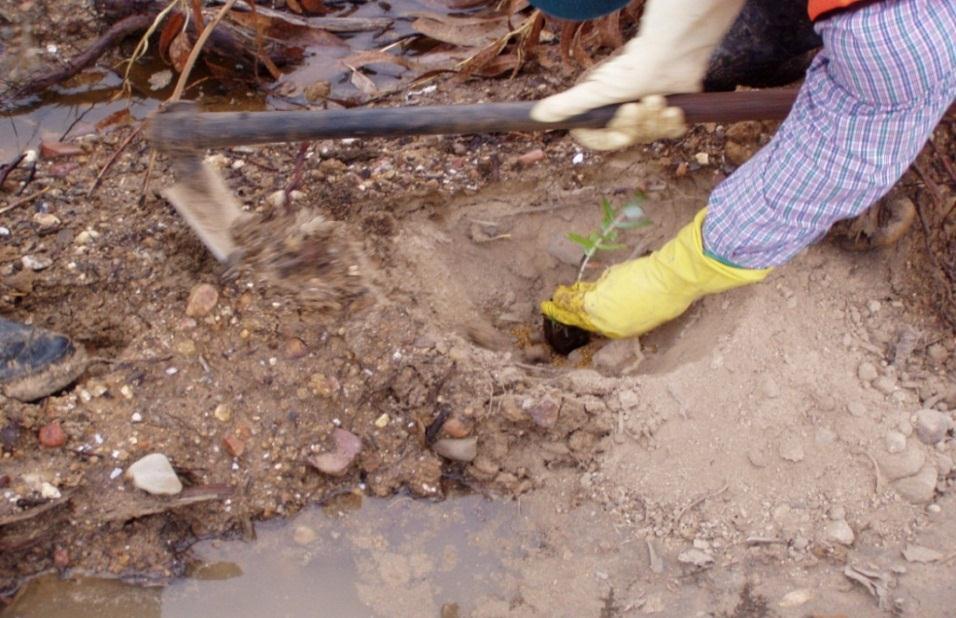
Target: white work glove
column 669, row 55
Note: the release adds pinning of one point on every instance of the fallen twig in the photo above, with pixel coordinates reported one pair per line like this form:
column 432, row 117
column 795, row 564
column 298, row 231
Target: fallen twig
column 126, row 142
column 296, row 179
column 698, row 502
column 117, row 32
column 9, row 167
column 24, row 200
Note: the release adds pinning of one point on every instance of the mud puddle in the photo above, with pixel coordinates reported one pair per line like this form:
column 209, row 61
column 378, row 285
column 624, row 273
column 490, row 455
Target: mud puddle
column 354, row 557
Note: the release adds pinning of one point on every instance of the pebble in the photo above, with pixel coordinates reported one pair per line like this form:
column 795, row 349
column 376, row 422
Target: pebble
column 456, row 427
column 938, row 353
column 856, row 408
column 874, row 306
column 867, row 371
column 347, row 447
column 136, row 417
column 561, row 248
column 463, row 449
column 839, row 532
column 86, row 237
column 796, row 598
column 899, row 465
column 52, row 435
column 202, row 299
column 696, row 557
column 49, row 491
column 916, row 553
column 382, row 421
column 46, row 221
column 294, row 348
column 222, row 413
column 944, row 463
column 791, row 449
column 531, row 157
column 885, row 384
column 825, row 436
column 36, row 262
column 837, row 513
column 233, row 445
column 61, row 558
column 895, row 442
column 543, row 412
column 932, row 426
column 769, row 388
column 619, row 357
column 304, row 535
column 155, row 475
column 920, row 488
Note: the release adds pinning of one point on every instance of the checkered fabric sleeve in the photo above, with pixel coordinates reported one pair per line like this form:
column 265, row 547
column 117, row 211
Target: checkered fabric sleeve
column 871, row 99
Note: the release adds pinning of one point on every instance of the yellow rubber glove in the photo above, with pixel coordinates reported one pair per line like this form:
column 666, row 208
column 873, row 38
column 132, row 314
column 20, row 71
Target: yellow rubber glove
column 634, row 297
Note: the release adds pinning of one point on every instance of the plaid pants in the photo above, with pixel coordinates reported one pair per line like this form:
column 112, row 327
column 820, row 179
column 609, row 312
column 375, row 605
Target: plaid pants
column 871, row 99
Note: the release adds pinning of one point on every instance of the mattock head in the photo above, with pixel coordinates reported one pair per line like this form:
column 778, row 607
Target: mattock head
column 200, row 195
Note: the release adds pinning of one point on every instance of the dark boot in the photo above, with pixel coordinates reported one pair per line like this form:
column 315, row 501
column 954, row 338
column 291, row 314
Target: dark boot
column 881, row 225
column 35, row 362
column 770, row 44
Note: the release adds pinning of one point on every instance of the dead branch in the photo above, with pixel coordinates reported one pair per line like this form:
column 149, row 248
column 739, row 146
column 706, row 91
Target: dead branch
column 117, row 32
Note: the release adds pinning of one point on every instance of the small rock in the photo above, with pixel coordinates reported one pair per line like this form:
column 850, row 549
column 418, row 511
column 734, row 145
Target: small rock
column 836, row 513
column 944, row 463
column 276, row 199
column 867, row 372
column 758, row 456
column 61, row 558
column 738, row 154
column 46, row 222
column 839, row 532
column 347, row 447
column 899, row 465
column 932, row 426
column 696, row 557
column 294, row 348
column 126, row 391
column 322, row 385
column 86, row 237
column 561, row 248
column 537, row 354
column 36, row 262
column 920, row 488
column 796, row 598
column 915, row 553
column 702, row 158
column 619, row 357
column 202, row 299
column 49, row 491
column 464, row 449
column 223, row 413
column 769, row 387
column 874, row 306
column 382, row 421
column 456, row 427
column 905, row 427
column 304, row 535
column 791, row 449
column 895, row 442
column 52, row 150
column 938, row 353
column 856, row 408
column 531, row 157
column 52, row 435
column 543, row 412
column 233, row 445
column 885, row 384
column 825, row 436
column 450, row 610
column 136, row 417
column 155, row 475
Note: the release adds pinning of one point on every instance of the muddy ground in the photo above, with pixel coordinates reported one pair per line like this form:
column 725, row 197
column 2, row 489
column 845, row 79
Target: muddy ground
column 763, row 445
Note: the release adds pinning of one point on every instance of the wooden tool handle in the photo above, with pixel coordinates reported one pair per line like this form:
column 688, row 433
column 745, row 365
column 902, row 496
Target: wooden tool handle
column 181, row 128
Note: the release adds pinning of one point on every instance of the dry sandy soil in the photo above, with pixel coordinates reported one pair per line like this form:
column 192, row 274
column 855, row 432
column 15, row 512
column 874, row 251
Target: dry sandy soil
column 764, row 458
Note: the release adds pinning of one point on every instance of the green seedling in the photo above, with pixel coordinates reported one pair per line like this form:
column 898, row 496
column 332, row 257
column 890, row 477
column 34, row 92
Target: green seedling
column 613, row 220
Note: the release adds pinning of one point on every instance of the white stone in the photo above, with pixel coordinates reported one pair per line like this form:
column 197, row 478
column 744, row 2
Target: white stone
column 932, row 426
column 839, row 532
column 154, row 474
column 895, row 442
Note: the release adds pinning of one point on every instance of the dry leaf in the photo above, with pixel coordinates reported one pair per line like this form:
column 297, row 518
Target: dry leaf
column 172, row 29
column 363, row 82
column 179, row 51
column 361, row 59
column 464, row 32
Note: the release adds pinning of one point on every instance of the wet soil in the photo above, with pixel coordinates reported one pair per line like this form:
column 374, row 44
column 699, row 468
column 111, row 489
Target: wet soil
column 747, row 429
